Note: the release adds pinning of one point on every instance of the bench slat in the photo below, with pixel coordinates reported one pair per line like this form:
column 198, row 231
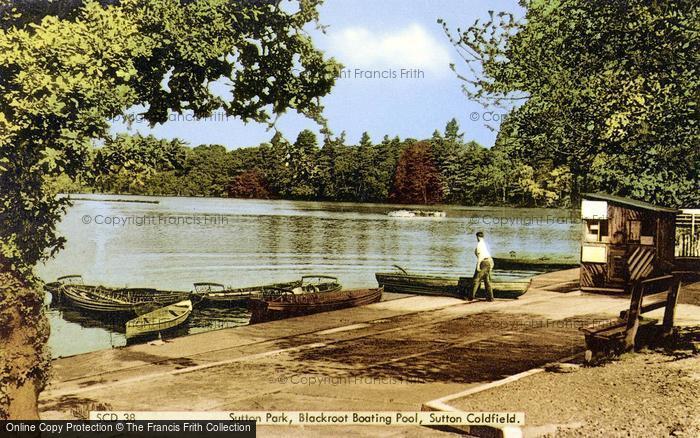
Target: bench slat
column 659, row 304
column 614, row 324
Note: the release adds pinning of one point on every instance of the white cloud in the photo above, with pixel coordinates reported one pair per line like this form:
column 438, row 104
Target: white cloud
column 410, row 47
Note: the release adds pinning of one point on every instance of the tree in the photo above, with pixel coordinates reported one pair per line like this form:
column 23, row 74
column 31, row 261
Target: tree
column 417, row 180
column 607, row 89
column 328, row 157
column 452, row 131
column 249, row 184
column 65, row 71
column 302, row 165
column 208, row 170
column 125, row 162
column 366, row 182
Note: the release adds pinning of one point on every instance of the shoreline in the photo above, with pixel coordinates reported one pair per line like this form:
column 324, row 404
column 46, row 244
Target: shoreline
column 458, row 207
column 140, row 201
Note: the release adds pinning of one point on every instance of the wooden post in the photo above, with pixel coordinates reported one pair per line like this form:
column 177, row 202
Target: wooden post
column 671, row 301
column 633, row 314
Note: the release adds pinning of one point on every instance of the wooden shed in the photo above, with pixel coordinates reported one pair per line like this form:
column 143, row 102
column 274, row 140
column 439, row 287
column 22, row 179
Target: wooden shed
column 624, row 239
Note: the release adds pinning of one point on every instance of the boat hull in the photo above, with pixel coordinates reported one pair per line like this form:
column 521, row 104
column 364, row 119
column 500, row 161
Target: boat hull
column 239, row 297
column 543, row 264
column 88, row 298
column 445, row 286
column 159, row 320
column 102, row 299
column 310, row 303
column 243, row 296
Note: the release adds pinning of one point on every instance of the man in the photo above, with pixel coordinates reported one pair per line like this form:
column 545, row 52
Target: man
column 484, row 265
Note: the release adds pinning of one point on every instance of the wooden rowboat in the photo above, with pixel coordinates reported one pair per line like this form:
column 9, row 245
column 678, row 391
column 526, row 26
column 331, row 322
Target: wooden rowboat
column 289, row 304
column 539, row 264
column 159, row 320
column 106, row 299
column 218, row 295
column 403, row 282
column 55, row 287
column 92, row 298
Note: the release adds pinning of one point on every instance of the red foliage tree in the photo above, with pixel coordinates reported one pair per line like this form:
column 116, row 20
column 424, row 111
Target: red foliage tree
column 417, row 179
column 249, row 184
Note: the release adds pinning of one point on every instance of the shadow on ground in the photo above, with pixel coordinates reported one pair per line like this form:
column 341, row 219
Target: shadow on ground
column 476, row 348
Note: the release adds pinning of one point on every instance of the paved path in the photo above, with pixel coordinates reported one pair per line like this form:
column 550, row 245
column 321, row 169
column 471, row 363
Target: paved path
column 392, row 355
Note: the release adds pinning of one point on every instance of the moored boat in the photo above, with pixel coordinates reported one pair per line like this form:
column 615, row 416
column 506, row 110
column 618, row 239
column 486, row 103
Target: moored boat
column 287, row 304
column 107, row 299
column 55, row 287
column 415, row 213
column 93, row 299
column 159, row 320
column 218, row 295
column 404, row 282
column 534, row 264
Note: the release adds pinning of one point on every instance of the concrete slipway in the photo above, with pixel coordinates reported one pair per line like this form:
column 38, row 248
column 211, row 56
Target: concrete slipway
column 395, row 356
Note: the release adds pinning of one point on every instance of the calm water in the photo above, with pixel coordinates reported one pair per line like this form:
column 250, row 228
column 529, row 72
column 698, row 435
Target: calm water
column 178, row 241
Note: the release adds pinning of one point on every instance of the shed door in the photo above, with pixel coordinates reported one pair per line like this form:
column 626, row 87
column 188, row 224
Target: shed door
column 617, row 265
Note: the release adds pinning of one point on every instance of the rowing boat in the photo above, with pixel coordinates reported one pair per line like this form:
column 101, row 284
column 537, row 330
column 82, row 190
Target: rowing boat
column 289, row 304
column 107, row 299
column 95, row 299
column 538, row 264
column 218, row 295
column 159, row 320
column 404, row 282
column 55, row 287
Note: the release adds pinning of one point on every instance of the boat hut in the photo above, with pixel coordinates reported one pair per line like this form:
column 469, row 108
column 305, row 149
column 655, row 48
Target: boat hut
column 624, row 239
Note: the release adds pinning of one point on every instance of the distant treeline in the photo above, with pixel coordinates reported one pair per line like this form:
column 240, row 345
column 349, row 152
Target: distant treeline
column 442, row 169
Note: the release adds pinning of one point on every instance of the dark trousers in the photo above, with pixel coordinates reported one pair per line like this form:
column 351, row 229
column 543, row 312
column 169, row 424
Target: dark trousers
column 484, row 273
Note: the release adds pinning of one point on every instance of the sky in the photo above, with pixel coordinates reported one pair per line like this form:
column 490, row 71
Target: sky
column 390, row 38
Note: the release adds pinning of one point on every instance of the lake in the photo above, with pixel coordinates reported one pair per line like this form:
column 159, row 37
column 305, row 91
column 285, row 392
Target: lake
column 172, row 242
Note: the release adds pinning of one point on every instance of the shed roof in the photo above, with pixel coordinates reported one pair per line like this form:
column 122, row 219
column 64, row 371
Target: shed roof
column 629, row 202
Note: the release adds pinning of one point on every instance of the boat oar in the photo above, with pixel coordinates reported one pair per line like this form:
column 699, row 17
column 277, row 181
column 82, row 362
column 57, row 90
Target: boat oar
column 400, row 269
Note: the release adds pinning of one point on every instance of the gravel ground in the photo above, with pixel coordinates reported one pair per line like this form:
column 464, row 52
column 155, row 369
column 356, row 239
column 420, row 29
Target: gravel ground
column 646, row 394
column 690, row 294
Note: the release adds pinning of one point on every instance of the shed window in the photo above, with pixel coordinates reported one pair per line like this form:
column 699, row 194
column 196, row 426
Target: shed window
column 634, row 231
column 597, row 231
column 648, row 227
column 648, row 231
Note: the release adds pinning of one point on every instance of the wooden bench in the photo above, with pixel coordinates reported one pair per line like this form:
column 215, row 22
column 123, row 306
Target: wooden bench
column 622, row 334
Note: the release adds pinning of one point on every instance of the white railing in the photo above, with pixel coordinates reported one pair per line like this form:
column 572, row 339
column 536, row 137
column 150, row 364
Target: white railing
column 688, row 234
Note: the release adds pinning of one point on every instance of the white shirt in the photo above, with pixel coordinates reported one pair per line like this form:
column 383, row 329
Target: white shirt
column 482, row 252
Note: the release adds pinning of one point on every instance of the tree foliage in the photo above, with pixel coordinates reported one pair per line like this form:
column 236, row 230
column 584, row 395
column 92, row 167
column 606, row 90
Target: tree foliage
column 417, row 180
column 468, row 173
column 607, row 89
column 66, row 68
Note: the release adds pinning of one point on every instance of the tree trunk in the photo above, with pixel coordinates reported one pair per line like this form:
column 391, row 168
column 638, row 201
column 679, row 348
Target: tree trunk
column 24, row 357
